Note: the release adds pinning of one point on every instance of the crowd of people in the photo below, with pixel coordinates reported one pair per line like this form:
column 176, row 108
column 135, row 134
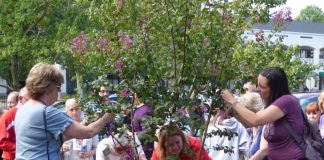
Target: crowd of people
column 33, row 129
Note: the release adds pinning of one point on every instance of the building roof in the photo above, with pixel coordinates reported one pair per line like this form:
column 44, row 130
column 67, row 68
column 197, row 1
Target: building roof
column 295, row 26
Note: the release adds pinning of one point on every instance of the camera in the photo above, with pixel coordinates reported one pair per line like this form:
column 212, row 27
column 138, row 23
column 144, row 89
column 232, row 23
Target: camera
column 84, row 148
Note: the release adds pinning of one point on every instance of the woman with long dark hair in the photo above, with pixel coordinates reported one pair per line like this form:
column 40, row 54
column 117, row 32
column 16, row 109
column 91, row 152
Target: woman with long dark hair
column 280, row 106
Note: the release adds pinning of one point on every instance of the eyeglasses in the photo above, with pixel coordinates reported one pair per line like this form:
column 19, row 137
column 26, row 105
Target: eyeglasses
column 104, row 91
column 58, row 88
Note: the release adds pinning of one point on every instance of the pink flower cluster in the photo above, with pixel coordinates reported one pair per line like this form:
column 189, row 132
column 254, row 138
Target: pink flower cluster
column 259, row 36
column 214, row 71
column 119, row 65
column 125, row 92
column 102, row 44
column 182, row 111
column 282, row 17
column 119, row 3
column 80, row 43
column 206, row 40
column 125, row 39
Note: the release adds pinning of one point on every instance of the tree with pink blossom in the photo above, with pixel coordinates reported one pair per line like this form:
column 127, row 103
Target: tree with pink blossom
column 171, row 52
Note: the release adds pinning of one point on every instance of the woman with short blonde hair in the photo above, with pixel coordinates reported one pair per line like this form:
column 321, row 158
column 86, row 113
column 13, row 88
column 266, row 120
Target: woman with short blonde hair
column 321, row 108
column 256, row 146
column 40, row 77
column 40, row 128
column 252, row 101
column 321, row 102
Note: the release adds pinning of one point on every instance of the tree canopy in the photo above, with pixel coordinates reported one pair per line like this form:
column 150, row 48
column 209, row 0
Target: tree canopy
column 311, row 14
column 32, row 32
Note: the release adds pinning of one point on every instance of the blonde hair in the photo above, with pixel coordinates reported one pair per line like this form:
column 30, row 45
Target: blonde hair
column 321, row 101
column 251, row 101
column 166, row 132
column 70, row 102
column 40, row 77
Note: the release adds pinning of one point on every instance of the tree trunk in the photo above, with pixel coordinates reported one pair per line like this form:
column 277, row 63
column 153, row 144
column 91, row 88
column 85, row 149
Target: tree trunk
column 14, row 71
column 80, row 89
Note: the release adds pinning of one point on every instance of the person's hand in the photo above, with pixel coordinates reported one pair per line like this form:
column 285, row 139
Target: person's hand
column 126, row 112
column 86, row 154
column 228, row 96
column 85, row 122
column 110, row 117
column 65, row 147
column 215, row 111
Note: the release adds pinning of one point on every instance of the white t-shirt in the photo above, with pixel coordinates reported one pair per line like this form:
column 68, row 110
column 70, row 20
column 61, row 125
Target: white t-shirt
column 78, row 145
column 237, row 142
column 106, row 149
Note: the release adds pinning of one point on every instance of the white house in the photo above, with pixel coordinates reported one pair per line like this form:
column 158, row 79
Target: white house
column 310, row 37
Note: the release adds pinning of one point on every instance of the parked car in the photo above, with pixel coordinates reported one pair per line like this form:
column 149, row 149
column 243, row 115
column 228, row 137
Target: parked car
column 306, row 98
column 60, row 105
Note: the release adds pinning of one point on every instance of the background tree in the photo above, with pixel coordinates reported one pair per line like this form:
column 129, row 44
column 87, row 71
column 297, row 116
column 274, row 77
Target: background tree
column 28, row 31
column 33, row 31
column 311, row 14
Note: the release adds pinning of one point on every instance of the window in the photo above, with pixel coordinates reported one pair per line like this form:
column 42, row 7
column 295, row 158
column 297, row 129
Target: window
column 307, row 37
column 305, row 53
column 321, row 55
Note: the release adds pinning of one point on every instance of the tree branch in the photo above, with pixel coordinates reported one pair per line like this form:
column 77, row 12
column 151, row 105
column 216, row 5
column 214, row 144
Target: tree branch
column 39, row 19
column 185, row 38
column 173, row 43
column 6, row 86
